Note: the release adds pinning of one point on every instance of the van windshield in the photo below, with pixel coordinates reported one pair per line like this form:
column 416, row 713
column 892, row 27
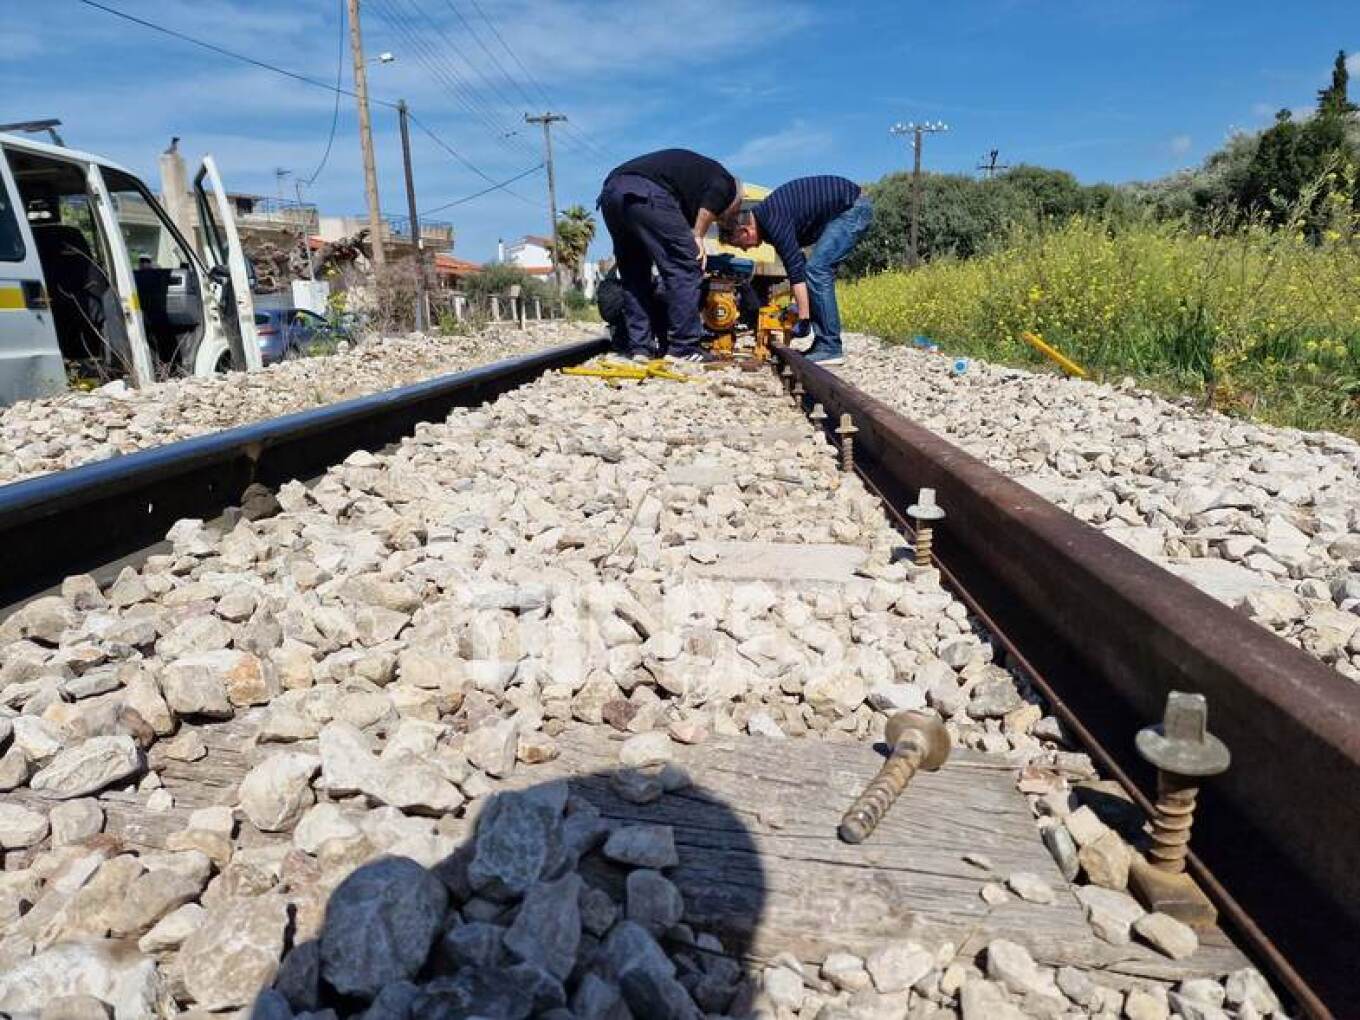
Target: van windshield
column 11, row 241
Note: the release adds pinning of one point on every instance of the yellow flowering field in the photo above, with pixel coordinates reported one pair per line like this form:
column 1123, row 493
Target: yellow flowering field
column 1263, row 321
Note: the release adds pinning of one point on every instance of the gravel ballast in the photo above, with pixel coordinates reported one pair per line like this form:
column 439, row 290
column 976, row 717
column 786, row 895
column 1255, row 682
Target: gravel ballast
column 420, row 626
column 1265, row 519
column 41, row 436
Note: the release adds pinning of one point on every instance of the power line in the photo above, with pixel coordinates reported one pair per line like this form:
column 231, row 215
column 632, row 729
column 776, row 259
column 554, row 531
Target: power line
column 582, row 138
column 305, row 79
column 443, row 71
column 485, row 191
column 505, row 46
column 476, row 36
column 462, row 159
column 226, row 52
column 335, row 114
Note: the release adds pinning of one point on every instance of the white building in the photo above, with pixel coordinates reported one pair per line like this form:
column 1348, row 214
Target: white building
column 530, row 252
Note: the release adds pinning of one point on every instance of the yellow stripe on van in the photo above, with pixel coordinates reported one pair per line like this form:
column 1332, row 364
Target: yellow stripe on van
column 12, row 299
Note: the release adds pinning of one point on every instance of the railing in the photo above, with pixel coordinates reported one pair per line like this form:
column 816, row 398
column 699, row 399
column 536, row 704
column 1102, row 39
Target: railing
column 269, row 212
column 434, row 233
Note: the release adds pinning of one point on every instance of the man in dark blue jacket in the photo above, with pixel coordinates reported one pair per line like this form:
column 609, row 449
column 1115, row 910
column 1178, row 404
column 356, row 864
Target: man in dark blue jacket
column 828, row 214
column 657, row 209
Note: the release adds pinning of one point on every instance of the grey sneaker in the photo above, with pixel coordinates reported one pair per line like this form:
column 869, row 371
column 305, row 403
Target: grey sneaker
column 826, row 358
column 697, row 357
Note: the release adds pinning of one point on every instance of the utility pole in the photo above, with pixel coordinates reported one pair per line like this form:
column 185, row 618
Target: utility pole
column 990, row 166
column 375, row 225
column 917, row 132
column 422, row 316
column 547, row 119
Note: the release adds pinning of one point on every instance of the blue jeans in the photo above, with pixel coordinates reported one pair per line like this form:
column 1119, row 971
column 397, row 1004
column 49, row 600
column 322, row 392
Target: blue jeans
column 838, row 240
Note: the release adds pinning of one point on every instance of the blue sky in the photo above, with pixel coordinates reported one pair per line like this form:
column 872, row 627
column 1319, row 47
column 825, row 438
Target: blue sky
column 1109, row 91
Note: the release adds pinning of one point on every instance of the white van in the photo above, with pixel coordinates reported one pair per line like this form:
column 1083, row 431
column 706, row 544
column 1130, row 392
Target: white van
column 97, row 282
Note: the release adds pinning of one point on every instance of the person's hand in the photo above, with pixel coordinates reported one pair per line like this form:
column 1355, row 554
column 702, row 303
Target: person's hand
column 802, row 328
column 703, row 253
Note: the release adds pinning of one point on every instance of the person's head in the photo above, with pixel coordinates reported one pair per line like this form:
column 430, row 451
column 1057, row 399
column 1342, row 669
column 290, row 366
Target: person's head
column 741, row 231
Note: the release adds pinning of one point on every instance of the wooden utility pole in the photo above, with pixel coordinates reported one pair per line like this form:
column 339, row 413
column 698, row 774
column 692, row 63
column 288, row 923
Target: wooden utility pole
column 375, row 224
column 917, row 132
column 422, row 300
column 547, row 119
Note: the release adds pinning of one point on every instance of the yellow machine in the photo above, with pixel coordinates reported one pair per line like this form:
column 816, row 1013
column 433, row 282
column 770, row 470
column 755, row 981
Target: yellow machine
column 725, row 276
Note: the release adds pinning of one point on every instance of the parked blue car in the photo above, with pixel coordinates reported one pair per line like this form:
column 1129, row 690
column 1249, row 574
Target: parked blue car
column 294, row 333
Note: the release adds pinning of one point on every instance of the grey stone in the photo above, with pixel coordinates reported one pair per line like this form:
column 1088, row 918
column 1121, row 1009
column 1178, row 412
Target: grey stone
column 234, row 952
column 653, row 901
column 196, row 684
column 474, row 944
column 643, row 846
column 1063, row 848
column 1011, row 964
column 172, row 929
column 993, row 698
column 658, row 996
column 492, row 993
column 20, row 827
column 394, row 1002
column 547, row 929
column 380, row 924
column 149, row 898
column 598, row 911
column 104, row 969
column 630, row 947
column 1165, row 933
column 654, row 748
column 275, row 792
column 1030, row 887
column 89, row 766
column 896, row 966
column 1110, row 912
column 514, row 836
column 492, row 748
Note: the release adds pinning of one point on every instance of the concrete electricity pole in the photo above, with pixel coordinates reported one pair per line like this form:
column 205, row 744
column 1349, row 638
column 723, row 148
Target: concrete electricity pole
column 375, row 226
column 547, row 120
column 917, row 132
column 422, row 316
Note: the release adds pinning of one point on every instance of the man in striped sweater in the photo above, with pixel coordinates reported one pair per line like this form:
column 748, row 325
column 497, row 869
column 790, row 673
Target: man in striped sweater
column 828, row 214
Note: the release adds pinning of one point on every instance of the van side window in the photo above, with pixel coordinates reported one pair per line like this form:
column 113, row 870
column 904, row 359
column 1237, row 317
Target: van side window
column 11, row 241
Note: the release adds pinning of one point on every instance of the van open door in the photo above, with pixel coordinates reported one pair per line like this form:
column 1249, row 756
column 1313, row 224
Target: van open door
column 30, row 360
column 228, row 272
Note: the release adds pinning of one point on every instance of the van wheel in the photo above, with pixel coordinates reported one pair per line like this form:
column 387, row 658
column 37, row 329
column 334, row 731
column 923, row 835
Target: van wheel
column 210, row 357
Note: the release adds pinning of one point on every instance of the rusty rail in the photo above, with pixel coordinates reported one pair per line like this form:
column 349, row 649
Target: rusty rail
column 1107, row 634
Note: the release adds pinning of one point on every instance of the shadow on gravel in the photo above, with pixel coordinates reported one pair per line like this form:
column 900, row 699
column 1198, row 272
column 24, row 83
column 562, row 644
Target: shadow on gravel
column 565, row 897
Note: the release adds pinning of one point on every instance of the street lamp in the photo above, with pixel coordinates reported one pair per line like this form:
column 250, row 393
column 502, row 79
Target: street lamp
column 916, row 131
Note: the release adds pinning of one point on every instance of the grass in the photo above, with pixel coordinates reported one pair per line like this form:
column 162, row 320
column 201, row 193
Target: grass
column 1262, row 320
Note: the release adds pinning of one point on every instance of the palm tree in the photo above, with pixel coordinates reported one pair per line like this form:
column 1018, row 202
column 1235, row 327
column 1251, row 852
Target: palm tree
column 575, row 231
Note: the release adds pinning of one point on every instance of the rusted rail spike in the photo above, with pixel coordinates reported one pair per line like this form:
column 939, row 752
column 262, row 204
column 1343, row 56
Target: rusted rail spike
column 846, row 430
column 1184, row 752
column 924, row 513
column 916, row 740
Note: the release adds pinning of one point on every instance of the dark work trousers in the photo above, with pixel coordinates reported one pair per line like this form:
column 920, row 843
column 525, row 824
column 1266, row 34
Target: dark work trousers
column 648, row 228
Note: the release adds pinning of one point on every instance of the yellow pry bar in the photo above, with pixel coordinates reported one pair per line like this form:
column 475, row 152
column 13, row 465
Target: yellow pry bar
column 618, row 370
column 1061, row 360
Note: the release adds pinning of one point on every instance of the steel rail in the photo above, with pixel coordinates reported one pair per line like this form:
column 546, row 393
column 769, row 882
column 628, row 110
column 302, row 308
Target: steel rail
column 1107, row 634
column 73, row 521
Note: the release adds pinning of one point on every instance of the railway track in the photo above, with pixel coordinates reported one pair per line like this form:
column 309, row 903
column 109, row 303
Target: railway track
column 1102, row 635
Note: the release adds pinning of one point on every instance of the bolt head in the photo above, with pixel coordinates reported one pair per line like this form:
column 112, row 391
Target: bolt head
column 1181, row 743
column 925, row 731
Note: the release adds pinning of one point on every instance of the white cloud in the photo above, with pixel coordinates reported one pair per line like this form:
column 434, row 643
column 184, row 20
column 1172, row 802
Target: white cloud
column 1179, row 144
column 792, row 143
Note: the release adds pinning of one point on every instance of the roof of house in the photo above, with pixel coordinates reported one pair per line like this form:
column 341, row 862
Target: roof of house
column 453, row 266
column 537, row 239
